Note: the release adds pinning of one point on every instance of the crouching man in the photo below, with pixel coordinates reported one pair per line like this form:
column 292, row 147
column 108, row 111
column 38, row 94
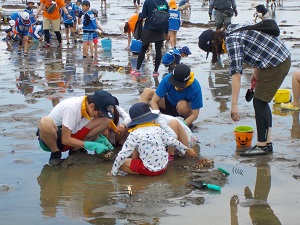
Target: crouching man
column 76, row 123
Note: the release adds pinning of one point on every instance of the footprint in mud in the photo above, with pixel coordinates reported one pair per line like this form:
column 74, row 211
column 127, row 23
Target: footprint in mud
column 4, row 188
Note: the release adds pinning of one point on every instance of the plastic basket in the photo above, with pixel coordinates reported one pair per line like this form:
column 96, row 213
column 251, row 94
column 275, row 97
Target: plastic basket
column 106, row 44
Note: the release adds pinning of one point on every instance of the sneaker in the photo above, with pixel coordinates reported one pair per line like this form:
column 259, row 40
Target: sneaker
column 171, row 158
column 135, row 72
column 84, row 56
column 270, row 147
column 68, row 43
column 155, row 74
column 59, row 45
column 19, row 52
column 55, row 159
column 25, row 54
column 255, row 150
column 46, row 46
column 289, row 106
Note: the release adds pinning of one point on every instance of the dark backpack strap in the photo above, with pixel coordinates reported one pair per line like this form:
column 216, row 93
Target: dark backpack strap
column 154, row 3
column 240, row 29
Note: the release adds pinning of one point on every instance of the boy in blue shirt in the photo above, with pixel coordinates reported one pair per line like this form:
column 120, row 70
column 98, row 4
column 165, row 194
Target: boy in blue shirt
column 89, row 27
column 69, row 22
column 29, row 9
column 173, row 57
column 178, row 94
column 23, row 25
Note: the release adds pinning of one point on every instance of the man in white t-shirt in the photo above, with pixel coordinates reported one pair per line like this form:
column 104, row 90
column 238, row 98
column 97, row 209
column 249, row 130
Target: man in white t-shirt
column 76, row 123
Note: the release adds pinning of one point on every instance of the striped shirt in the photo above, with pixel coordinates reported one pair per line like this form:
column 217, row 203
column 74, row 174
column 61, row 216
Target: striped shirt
column 254, row 48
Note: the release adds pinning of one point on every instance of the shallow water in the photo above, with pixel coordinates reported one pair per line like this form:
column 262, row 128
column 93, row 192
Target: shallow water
column 32, row 192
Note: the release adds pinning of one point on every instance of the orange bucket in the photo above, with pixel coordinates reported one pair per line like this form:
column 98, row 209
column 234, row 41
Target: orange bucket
column 243, row 135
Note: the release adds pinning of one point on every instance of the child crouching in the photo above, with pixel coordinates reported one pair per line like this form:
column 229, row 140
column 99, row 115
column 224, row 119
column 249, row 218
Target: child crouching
column 147, row 143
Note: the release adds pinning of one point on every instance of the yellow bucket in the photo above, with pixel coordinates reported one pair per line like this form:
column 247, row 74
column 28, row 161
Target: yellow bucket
column 282, row 96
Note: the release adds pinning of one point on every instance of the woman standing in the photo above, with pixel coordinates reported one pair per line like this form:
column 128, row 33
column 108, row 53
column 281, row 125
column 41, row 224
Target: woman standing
column 51, row 17
column 150, row 36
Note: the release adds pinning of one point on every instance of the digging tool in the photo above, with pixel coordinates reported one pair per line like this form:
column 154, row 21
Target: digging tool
column 201, row 185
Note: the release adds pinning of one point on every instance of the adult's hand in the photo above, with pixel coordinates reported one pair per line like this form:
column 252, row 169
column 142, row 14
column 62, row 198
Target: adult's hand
column 234, row 113
column 95, row 146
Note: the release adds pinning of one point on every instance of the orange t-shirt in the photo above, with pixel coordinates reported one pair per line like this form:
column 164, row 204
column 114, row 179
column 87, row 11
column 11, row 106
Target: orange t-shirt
column 56, row 14
column 132, row 21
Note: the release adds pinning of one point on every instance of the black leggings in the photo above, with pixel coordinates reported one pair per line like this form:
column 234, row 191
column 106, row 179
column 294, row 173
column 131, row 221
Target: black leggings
column 263, row 117
column 158, row 55
column 47, row 36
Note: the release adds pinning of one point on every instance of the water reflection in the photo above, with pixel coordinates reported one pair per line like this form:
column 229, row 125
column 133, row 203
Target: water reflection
column 260, row 211
column 59, row 76
column 220, row 85
column 84, row 192
column 295, row 131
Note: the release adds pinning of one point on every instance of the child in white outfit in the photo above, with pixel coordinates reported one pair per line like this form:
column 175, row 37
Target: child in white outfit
column 147, row 144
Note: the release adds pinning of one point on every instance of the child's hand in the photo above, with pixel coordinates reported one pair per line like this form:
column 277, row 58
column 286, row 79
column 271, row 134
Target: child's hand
column 105, row 133
column 109, row 174
column 120, row 128
column 191, row 152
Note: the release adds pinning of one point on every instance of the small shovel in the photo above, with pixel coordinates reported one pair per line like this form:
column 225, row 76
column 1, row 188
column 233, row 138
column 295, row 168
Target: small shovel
column 201, row 185
column 250, row 92
column 249, row 95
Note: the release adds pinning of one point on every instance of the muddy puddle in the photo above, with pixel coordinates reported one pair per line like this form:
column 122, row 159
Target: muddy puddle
column 259, row 190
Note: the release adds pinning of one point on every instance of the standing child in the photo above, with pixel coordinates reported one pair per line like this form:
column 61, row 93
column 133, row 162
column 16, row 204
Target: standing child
column 29, row 9
column 23, row 25
column 69, row 21
column 89, row 27
column 174, row 22
column 147, row 143
column 95, row 34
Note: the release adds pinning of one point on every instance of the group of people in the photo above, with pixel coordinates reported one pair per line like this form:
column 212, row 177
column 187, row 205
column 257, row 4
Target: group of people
column 82, row 122
column 149, row 135
column 25, row 25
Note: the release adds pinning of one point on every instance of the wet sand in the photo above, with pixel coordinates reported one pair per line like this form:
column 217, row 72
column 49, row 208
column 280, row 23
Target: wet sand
column 259, row 190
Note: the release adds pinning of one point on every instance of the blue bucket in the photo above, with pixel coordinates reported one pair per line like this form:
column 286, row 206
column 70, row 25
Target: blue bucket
column 106, row 44
column 135, row 46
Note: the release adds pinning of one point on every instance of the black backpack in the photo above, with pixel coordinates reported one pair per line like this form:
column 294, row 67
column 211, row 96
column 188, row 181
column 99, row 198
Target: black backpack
column 159, row 19
column 267, row 26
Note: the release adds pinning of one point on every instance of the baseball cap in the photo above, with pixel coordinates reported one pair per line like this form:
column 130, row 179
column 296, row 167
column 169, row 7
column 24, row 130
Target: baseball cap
column 104, row 102
column 205, row 40
column 87, row 3
column 180, row 76
column 185, row 50
column 25, row 18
